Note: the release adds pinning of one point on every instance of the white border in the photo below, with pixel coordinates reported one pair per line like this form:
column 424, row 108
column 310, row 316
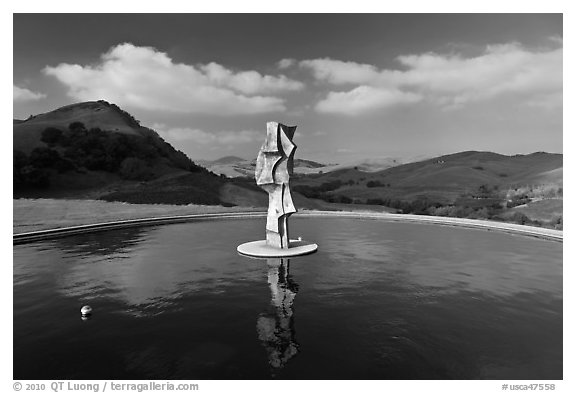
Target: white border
column 420, row 6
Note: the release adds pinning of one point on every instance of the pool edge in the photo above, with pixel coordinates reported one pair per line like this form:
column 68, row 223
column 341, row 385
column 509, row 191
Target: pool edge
column 541, row 233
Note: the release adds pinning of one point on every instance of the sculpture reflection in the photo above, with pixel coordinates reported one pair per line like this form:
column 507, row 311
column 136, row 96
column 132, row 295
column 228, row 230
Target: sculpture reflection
column 276, row 328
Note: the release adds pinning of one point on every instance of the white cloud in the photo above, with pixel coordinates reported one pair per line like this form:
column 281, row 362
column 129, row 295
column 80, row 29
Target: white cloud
column 286, row 63
column 23, row 95
column 340, row 72
column 143, row 77
column 453, row 80
column 502, row 69
column 249, row 82
column 179, row 134
column 363, row 99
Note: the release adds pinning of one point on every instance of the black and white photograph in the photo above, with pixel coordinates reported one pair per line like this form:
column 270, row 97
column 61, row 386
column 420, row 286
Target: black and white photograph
column 287, row 196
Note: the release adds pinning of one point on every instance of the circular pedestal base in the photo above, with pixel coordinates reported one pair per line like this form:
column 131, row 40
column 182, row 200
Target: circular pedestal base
column 260, row 249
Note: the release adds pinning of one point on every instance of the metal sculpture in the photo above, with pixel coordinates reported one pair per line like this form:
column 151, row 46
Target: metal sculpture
column 274, row 165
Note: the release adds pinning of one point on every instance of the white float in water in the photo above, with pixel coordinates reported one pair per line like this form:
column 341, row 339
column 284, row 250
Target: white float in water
column 86, row 310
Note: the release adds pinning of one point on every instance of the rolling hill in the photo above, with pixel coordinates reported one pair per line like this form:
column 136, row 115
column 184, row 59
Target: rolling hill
column 468, row 184
column 97, row 150
column 375, row 164
column 101, row 114
column 232, row 166
column 444, row 178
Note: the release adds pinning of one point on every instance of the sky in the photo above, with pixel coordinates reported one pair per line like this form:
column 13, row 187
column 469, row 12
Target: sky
column 356, row 85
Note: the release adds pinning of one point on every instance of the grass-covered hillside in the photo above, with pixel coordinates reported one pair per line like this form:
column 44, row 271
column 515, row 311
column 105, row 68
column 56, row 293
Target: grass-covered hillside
column 469, row 184
column 95, row 149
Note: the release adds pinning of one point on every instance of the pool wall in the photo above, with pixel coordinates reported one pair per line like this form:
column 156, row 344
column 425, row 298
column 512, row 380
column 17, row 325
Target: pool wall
column 542, row 233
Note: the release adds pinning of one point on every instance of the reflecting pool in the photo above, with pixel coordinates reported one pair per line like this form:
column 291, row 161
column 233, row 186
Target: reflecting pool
column 379, row 300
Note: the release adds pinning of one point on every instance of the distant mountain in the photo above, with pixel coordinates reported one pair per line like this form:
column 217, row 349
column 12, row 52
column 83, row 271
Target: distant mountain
column 232, row 166
column 235, row 166
column 228, row 160
column 470, row 169
column 300, row 163
column 375, row 164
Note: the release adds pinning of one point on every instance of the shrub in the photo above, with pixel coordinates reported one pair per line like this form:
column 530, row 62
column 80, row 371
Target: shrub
column 484, row 190
column 558, row 223
column 77, row 126
column 330, row 186
column 344, row 199
column 133, row 168
column 481, row 213
column 517, row 201
column 520, row 218
column 19, row 161
column 35, row 177
column 44, row 157
column 307, row 191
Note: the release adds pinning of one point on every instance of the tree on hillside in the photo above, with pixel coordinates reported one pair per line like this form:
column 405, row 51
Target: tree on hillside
column 44, row 157
column 35, row 177
column 27, row 175
column 51, row 136
column 374, row 183
column 133, row 168
column 77, row 126
column 20, row 160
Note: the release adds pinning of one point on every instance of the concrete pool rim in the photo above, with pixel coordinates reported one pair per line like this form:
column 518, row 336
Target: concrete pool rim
column 46, row 234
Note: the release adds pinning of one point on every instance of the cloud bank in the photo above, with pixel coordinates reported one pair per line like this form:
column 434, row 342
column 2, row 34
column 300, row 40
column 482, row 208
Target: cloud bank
column 145, row 78
column 447, row 80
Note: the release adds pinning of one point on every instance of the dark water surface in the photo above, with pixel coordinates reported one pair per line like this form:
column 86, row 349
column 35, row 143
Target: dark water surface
column 378, row 301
